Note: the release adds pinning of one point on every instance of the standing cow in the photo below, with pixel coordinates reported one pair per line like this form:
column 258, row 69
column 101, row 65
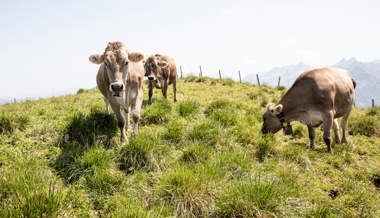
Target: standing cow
column 317, row 96
column 112, row 77
column 161, row 71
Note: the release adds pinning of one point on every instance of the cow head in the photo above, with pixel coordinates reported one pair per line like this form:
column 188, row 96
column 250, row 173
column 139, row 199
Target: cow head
column 115, row 61
column 271, row 122
column 154, row 67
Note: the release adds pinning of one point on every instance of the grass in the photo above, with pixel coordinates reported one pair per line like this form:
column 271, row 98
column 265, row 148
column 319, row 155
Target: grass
column 187, row 108
column 10, row 122
column 203, row 156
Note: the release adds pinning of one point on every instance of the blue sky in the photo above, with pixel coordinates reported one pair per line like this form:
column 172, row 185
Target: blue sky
column 45, row 44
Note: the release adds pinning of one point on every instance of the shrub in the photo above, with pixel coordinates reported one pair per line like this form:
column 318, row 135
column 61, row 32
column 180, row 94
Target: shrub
column 365, row 125
column 9, row 122
column 257, row 197
column 136, row 154
column 157, row 113
column 205, row 131
column 80, row 91
column 187, row 108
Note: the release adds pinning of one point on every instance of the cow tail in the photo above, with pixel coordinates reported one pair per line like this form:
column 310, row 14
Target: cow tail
column 354, row 83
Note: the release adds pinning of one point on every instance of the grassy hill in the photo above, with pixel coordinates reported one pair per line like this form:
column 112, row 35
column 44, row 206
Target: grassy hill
column 201, row 157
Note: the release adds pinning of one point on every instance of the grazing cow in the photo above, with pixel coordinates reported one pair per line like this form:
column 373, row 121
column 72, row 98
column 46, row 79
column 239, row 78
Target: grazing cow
column 112, row 81
column 317, row 96
column 161, row 71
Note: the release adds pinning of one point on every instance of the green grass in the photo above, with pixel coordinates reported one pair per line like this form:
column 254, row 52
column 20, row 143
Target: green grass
column 203, row 156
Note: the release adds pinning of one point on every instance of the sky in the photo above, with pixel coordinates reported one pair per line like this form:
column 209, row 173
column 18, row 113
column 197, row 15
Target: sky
column 45, row 44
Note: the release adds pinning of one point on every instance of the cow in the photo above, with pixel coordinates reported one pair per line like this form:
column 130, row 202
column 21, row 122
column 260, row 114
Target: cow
column 318, row 96
column 117, row 80
column 161, row 71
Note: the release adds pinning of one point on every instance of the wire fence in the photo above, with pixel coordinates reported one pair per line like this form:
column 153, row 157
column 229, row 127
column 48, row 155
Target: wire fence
column 220, row 76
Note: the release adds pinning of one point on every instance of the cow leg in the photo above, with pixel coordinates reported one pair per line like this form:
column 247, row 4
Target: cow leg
column 120, row 121
column 164, row 88
column 175, row 90
column 136, row 111
column 126, row 112
column 344, row 126
column 328, row 119
column 311, row 131
column 150, row 92
column 336, row 131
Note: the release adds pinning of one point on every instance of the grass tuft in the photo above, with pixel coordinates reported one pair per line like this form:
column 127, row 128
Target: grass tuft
column 205, row 131
column 187, row 108
column 137, row 154
column 365, row 125
column 258, row 197
column 10, row 122
column 185, row 191
column 156, row 113
column 174, row 131
column 87, row 129
column 265, row 147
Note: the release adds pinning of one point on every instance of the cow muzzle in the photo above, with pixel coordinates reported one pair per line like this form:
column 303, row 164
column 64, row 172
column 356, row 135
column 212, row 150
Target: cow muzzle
column 116, row 88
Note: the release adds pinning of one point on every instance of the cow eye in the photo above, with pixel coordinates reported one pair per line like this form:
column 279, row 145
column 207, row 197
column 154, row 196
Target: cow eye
column 126, row 63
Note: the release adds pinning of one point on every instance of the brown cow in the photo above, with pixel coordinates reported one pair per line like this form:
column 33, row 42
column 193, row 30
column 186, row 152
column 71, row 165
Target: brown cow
column 112, row 80
column 317, row 96
column 161, row 71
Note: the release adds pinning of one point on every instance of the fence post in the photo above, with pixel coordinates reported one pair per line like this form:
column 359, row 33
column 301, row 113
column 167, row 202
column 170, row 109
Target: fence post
column 279, row 81
column 200, row 71
column 373, row 102
column 258, row 80
column 239, row 76
column 180, row 69
column 220, row 74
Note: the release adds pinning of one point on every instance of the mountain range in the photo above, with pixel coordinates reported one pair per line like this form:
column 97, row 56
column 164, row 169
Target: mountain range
column 366, row 75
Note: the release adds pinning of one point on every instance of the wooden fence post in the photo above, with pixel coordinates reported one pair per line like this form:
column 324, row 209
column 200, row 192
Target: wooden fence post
column 239, row 76
column 258, row 80
column 279, row 81
column 180, row 69
column 373, row 102
column 220, row 74
column 200, row 71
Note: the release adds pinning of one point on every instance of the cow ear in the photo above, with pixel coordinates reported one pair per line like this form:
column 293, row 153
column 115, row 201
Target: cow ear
column 275, row 110
column 135, row 56
column 96, row 58
column 162, row 64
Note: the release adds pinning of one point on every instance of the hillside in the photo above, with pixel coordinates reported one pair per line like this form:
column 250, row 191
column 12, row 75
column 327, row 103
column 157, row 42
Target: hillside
column 366, row 74
column 201, row 157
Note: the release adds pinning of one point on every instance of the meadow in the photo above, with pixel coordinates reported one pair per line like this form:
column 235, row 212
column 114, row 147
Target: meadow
column 203, row 156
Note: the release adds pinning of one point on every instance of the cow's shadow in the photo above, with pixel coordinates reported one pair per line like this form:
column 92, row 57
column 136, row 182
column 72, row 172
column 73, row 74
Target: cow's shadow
column 82, row 132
